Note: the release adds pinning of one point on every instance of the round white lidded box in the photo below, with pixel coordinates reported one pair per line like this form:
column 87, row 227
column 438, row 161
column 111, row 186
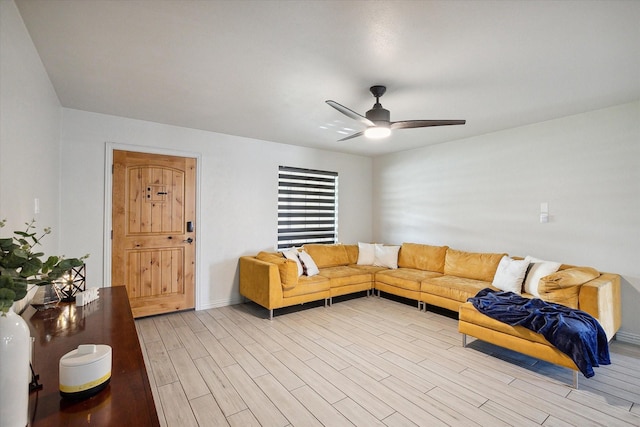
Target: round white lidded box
column 85, row 371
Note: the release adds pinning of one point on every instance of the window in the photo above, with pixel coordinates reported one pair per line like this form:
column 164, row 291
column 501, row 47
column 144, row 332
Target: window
column 307, row 206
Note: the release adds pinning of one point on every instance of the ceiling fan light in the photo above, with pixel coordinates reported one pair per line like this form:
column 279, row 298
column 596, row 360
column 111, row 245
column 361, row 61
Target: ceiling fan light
column 377, row 132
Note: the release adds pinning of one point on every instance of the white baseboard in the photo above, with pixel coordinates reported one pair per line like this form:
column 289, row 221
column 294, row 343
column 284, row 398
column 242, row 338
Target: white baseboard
column 221, row 303
column 629, row 337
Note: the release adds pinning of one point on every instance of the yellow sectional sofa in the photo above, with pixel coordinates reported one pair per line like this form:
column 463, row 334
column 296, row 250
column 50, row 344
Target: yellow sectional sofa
column 432, row 275
column 271, row 280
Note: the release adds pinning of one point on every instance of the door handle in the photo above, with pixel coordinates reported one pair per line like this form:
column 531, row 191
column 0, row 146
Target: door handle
column 189, row 240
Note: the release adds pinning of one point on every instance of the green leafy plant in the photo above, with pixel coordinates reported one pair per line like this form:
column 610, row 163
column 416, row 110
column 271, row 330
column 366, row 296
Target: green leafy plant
column 21, row 265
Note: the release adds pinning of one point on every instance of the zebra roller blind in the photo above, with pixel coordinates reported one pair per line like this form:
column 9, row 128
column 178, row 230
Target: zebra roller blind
column 307, row 206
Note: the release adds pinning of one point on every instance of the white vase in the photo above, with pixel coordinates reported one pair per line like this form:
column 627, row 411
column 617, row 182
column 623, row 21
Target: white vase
column 15, row 346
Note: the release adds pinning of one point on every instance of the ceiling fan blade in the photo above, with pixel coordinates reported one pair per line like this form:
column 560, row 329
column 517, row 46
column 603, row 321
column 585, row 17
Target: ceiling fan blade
column 350, row 113
column 425, row 123
column 355, row 135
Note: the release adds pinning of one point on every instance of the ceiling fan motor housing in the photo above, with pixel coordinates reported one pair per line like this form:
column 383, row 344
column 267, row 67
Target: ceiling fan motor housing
column 378, row 114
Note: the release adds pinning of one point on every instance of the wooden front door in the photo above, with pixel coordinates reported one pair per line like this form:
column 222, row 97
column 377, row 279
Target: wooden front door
column 153, row 218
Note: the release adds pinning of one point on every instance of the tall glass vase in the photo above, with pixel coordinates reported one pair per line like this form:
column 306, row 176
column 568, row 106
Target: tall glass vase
column 15, row 346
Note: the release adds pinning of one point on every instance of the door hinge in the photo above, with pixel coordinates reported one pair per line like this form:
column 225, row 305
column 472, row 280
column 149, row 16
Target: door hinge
column 113, row 166
column 111, row 234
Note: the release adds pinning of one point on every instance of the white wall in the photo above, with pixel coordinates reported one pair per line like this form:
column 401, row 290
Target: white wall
column 29, row 131
column 484, row 194
column 238, row 192
column 30, row 116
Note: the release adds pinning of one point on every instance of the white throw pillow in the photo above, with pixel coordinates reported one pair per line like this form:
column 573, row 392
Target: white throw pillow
column 366, row 253
column 510, row 274
column 310, row 267
column 386, row 256
column 292, row 254
column 537, row 270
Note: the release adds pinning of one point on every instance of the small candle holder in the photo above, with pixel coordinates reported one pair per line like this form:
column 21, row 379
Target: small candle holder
column 72, row 282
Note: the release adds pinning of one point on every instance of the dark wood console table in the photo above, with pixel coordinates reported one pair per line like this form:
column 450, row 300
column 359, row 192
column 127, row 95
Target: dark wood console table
column 127, row 400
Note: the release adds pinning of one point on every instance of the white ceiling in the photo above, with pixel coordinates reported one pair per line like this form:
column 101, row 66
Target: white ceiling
column 263, row 69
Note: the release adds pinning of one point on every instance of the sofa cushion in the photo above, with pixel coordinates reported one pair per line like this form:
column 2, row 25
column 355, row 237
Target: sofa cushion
column 563, row 287
column 308, row 264
column 538, row 269
column 386, row 256
column 352, row 253
column 471, row 265
column 368, row 268
column 510, row 274
column 454, row 288
column 405, row 278
column 422, row 257
column 287, row 268
column 366, row 253
column 292, row 254
column 307, row 285
column 343, row 276
column 327, row 255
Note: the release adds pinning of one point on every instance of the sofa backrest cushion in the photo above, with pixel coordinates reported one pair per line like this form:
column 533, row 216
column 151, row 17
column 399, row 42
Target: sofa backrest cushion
column 328, row 255
column 563, row 287
column 352, row 253
column 422, row 257
column 288, row 269
column 471, row 265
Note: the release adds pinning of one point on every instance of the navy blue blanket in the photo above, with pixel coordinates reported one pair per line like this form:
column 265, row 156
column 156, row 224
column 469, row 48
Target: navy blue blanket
column 573, row 332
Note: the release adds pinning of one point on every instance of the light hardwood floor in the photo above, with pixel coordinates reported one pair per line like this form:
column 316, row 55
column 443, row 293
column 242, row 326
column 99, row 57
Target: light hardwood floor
column 367, row 362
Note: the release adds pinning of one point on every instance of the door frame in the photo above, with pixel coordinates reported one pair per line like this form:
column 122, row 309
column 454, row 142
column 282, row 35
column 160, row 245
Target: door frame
column 108, row 179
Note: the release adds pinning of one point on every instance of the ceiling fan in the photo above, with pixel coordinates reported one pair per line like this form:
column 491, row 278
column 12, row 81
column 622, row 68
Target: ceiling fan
column 378, row 120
